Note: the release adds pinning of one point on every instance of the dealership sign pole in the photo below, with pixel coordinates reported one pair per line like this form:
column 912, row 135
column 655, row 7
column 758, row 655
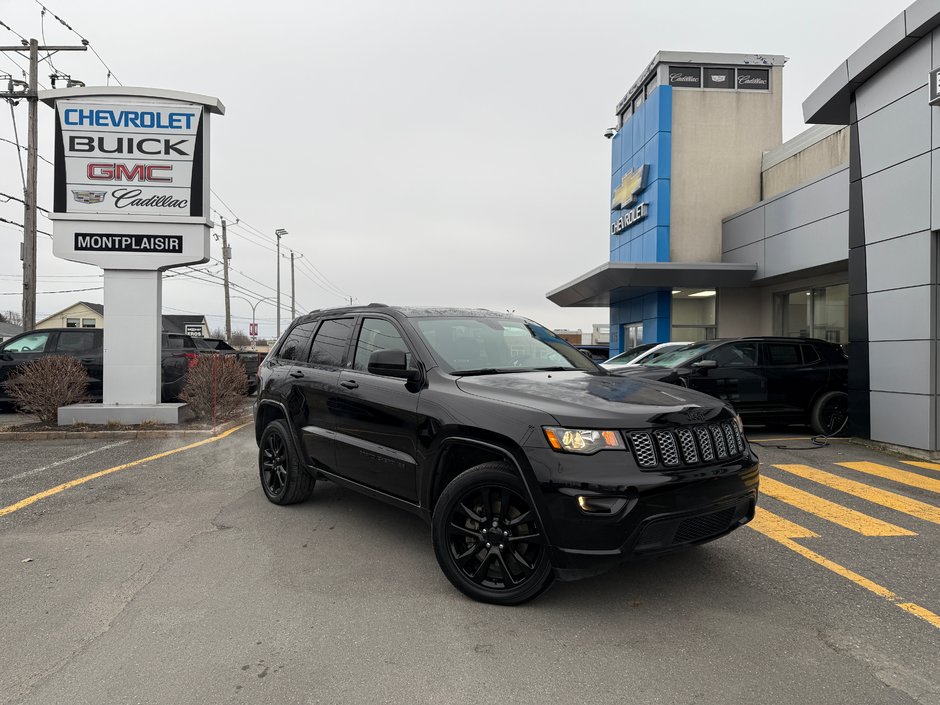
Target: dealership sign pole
column 132, row 197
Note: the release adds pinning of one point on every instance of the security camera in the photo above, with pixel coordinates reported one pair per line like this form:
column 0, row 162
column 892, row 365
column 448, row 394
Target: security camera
column 610, row 132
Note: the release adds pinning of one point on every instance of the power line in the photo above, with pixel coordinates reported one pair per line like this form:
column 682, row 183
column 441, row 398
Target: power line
column 21, row 147
column 8, row 27
column 20, row 225
column 14, row 198
column 85, row 41
column 16, row 135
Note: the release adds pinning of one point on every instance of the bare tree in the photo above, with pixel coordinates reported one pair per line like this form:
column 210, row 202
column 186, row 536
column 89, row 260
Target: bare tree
column 239, row 339
column 11, row 317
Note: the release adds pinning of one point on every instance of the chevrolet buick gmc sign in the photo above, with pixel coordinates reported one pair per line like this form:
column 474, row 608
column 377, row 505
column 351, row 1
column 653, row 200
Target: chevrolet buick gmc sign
column 129, row 159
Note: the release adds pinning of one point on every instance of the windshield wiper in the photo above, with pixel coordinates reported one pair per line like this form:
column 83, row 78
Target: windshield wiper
column 479, row 371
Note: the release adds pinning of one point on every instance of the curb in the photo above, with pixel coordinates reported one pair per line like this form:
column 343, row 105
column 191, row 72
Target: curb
column 141, row 434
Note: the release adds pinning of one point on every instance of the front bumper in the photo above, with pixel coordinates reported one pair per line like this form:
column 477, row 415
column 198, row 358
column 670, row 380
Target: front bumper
column 661, row 512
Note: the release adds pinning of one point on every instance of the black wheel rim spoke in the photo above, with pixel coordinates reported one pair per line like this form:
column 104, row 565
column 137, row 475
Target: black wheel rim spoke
column 493, row 539
column 507, row 574
column 274, row 465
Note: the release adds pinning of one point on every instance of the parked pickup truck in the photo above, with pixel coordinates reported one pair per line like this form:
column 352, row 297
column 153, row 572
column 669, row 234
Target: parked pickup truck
column 249, row 359
column 86, row 344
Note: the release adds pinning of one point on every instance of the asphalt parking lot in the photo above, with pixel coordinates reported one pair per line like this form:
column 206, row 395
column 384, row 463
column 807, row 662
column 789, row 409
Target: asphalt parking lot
column 173, row 580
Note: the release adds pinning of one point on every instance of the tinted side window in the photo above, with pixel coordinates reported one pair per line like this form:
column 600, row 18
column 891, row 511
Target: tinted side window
column 179, row 342
column 734, row 355
column 376, row 334
column 330, row 343
column 782, row 354
column 810, row 355
column 79, row 342
column 295, row 344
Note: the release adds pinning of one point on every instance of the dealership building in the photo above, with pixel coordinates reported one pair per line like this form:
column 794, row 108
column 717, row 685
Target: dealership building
column 718, row 228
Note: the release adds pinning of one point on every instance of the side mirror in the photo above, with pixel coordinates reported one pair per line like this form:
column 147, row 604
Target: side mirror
column 6, row 357
column 705, row 364
column 392, row 363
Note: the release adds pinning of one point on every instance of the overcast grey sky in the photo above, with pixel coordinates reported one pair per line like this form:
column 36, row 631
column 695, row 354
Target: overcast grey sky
column 428, row 152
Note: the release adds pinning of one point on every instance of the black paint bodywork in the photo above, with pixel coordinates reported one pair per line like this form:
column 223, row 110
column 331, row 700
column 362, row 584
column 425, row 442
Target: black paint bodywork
column 393, row 439
column 763, row 393
column 174, row 360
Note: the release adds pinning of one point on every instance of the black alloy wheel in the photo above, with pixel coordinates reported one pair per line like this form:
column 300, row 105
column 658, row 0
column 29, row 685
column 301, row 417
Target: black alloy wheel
column 830, row 413
column 487, row 537
column 283, row 480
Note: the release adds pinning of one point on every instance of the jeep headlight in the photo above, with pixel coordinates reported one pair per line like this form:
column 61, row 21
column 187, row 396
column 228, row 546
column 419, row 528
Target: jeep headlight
column 584, row 441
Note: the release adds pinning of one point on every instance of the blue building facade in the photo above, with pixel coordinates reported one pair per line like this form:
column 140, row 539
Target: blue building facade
column 644, row 142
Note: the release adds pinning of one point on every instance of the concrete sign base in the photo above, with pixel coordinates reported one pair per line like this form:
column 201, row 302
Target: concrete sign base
column 99, row 414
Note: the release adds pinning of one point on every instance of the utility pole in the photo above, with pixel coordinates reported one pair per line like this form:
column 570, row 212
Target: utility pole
column 29, row 196
column 226, row 256
column 293, row 299
column 280, row 232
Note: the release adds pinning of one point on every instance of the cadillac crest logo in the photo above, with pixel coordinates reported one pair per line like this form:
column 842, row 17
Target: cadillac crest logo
column 89, row 197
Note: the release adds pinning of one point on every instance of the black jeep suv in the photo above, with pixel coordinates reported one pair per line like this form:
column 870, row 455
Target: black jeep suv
column 529, row 461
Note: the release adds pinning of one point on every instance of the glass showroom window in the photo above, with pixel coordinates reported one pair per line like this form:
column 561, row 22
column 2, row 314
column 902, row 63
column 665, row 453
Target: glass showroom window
column 693, row 315
column 821, row 312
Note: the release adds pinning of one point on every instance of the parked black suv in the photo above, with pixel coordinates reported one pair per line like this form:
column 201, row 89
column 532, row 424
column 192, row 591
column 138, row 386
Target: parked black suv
column 529, row 461
column 766, row 380
column 87, row 345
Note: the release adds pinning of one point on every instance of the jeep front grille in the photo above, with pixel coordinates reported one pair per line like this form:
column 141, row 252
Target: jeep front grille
column 686, row 445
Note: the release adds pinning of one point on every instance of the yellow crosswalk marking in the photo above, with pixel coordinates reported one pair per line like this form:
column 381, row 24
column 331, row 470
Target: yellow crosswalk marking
column 783, row 532
column 830, row 511
column 776, row 526
column 921, row 464
column 899, row 503
column 895, row 475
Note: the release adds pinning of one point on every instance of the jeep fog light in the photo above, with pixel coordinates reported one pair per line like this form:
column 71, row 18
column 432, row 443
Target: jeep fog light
column 600, row 505
column 584, row 441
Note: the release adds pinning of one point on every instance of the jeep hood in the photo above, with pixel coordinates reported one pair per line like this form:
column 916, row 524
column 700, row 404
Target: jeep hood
column 580, row 399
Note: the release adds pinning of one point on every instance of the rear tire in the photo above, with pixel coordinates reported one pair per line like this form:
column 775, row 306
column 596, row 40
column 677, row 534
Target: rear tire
column 283, row 478
column 487, row 538
column 830, row 413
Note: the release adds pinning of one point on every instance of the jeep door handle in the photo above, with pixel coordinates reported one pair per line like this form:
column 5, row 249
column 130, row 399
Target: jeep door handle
column 349, row 384
column 296, row 374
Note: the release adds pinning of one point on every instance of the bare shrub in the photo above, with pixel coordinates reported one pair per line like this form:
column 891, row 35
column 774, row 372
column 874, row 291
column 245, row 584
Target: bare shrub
column 215, row 386
column 40, row 387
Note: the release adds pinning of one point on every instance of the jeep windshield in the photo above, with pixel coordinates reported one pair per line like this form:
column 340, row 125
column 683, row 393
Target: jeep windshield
column 492, row 345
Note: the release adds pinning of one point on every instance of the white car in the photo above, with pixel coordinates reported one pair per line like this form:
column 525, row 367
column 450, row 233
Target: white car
column 640, row 355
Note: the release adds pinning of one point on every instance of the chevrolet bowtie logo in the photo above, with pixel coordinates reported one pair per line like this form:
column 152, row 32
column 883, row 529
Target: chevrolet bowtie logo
column 632, row 183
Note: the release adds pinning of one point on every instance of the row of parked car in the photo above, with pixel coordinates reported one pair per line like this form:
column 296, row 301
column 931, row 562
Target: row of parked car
column 87, row 345
column 768, row 380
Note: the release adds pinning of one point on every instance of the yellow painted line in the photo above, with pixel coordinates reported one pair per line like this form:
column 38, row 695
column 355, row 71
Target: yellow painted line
column 830, row 511
column 922, row 464
column 899, row 503
column 101, row 473
column 774, row 525
column 777, row 529
column 919, row 611
column 888, row 473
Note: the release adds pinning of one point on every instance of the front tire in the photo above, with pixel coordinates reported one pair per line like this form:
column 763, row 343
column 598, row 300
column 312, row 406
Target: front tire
column 487, row 537
column 283, row 479
column 830, row 413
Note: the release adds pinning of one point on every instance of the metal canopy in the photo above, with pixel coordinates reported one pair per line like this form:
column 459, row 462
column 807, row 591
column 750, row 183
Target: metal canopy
column 619, row 280
column 829, row 103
